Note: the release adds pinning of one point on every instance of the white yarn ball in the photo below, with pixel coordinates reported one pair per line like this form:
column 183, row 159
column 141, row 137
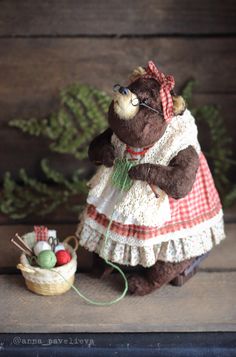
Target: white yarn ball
column 40, row 246
column 59, row 247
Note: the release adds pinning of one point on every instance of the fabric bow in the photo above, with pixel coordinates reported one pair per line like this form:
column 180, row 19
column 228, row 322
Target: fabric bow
column 167, row 84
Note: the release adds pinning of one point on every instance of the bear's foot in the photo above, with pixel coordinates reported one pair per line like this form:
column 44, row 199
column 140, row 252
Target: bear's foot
column 160, row 274
column 139, row 285
column 163, row 273
column 189, row 272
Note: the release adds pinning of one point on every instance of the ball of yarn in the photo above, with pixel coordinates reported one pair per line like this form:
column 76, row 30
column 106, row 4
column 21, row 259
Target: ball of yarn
column 59, row 247
column 63, row 257
column 46, row 259
column 41, row 246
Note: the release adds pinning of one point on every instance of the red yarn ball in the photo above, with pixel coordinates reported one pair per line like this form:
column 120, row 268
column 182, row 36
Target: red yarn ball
column 63, row 257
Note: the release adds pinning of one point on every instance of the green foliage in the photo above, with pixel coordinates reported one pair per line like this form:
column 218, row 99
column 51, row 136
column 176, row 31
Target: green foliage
column 230, row 198
column 187, row 91
column 81, row 116
column 19, row 200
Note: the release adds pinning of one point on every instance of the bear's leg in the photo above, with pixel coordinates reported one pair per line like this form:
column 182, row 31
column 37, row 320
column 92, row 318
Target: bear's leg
column 161, row 273
column 99, row 268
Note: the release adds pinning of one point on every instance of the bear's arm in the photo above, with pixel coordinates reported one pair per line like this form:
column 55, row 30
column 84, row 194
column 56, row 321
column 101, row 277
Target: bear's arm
column 101, row 151
column 176, row 179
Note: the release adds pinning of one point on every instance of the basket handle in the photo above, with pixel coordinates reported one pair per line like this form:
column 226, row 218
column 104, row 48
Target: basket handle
column 72, row 238
column 25, row 269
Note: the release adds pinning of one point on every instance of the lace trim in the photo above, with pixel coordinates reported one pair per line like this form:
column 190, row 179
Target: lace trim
column 146, row 255
column 134, row 241
column 179, row 134
column 150, row 211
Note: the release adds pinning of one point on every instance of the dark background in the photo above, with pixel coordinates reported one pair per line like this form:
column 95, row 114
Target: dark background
column 46, row 45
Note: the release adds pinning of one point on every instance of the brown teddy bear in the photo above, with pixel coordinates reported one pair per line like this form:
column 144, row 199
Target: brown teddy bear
column 171, row 214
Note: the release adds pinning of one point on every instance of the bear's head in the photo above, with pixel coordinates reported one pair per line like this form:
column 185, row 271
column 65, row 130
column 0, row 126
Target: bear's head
column 136, row 112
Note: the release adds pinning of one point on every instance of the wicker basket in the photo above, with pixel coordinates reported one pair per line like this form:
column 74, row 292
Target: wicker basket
column 54, row 281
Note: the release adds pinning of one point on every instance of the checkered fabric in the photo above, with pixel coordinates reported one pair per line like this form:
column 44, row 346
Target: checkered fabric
column 200, row 205
column 41, row 233
column 167, row 84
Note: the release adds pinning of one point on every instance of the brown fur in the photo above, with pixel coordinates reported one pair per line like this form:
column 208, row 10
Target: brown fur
column 101, row 151
column 147, row 127
column 176, row 179
column 156, row 276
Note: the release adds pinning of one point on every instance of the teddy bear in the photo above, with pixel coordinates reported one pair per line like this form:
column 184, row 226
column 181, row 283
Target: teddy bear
column 171, row 214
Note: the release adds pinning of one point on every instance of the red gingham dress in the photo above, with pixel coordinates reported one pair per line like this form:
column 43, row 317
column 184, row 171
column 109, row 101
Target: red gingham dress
column 201, row 204
column 195, row 226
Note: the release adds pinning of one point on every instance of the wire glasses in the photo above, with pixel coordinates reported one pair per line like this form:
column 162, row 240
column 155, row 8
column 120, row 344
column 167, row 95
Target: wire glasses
column 137, row 102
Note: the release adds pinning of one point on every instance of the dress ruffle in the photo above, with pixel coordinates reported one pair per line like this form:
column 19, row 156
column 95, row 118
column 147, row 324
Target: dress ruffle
column 175, row 250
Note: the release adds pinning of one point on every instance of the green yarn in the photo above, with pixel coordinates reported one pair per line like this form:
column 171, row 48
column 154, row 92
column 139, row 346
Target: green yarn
column 121, row 180
column 46, row 259
column 120, row 177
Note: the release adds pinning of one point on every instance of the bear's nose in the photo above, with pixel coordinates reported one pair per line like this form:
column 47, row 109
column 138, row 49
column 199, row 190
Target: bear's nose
column 124, row 90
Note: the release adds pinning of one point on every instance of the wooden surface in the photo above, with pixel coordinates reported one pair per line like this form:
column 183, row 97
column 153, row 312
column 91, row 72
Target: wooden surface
column 205, row 303
column 117, row 18
column 50, row 44
column 28, row 63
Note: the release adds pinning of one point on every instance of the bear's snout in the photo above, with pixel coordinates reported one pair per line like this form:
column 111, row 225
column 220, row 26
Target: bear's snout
column 123, row 106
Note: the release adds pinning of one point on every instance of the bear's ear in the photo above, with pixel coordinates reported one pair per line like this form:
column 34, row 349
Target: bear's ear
column 137, row 73
column 179, row 104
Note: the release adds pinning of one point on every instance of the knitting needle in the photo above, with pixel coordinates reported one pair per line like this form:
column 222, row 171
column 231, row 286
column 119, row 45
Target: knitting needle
column 23, row 242
column 22, row 249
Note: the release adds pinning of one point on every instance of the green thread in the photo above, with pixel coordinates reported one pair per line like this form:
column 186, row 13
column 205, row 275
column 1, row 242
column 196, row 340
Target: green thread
column 120, row 177
column 121, row 180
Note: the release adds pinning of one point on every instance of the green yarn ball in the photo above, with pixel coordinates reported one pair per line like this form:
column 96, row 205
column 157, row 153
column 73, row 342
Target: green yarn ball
column 46, row 259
